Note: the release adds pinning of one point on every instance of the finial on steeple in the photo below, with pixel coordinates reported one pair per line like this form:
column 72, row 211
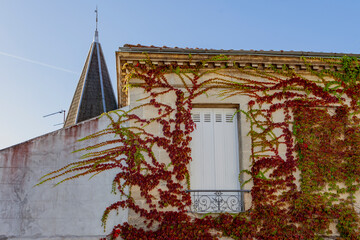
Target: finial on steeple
column 96, row 30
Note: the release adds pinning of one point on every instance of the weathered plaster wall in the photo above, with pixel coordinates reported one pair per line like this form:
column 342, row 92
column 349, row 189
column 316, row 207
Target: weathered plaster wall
column 71, row 210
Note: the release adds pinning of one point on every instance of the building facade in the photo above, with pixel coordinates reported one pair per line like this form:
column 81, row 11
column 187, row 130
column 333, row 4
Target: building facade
column 230, row 140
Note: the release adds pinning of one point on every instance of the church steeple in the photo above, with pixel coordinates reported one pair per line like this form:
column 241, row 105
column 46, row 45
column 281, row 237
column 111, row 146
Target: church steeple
column 94, row 94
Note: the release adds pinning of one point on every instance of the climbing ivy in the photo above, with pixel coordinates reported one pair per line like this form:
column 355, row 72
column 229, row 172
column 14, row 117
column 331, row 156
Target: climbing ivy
column 305, row 123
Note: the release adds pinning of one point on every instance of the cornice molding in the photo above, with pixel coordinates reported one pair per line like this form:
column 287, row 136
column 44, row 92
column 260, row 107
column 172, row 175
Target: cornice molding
column 237, row 61
column 256, row 61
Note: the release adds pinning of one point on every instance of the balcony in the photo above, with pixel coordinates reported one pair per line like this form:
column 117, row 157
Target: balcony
column 217, row 201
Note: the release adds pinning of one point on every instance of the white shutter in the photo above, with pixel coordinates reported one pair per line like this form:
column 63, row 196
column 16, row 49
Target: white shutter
column 219, row 138
column 197, row 153
column 215, row 147
column 208, row 160
column 231, row 150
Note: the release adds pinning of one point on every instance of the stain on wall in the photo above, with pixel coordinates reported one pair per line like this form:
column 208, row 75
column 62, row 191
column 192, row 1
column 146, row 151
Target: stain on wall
column 71, row 210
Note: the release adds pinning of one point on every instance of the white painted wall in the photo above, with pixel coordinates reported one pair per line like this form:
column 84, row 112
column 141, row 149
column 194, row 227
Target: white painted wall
column 71, row 210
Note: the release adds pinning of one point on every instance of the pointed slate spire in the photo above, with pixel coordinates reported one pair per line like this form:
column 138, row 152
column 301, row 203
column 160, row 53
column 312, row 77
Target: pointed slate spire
column 94, row 94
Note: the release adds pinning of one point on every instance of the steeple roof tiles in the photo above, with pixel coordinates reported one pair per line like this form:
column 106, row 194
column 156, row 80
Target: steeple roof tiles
column 94, row 94
column 109, row 95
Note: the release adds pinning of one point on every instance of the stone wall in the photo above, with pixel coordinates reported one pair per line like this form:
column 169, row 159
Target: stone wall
column 73, row 209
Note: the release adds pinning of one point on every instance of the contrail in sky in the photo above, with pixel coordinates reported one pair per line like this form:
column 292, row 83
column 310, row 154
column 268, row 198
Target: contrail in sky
column 38, row 63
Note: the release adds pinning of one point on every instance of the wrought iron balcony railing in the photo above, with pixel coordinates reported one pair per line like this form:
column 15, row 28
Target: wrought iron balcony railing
column 216, row 201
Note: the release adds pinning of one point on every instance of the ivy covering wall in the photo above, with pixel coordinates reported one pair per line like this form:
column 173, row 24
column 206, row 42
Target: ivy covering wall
column 318, row 136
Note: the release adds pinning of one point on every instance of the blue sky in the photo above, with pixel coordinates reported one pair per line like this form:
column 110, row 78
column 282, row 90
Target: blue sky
column 43, row 44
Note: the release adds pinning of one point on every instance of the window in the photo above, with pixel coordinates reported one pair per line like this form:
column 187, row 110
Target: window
column 215, row 150
column 214, row 170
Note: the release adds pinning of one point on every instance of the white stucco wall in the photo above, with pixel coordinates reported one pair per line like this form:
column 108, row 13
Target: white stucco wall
column 72, row 210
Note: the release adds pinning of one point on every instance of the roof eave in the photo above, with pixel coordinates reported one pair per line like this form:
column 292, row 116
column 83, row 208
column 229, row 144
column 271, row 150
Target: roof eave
column 233, row 52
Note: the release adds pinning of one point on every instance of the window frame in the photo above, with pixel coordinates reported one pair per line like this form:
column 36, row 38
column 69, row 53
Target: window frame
column 238, row 123
column 216, row 195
